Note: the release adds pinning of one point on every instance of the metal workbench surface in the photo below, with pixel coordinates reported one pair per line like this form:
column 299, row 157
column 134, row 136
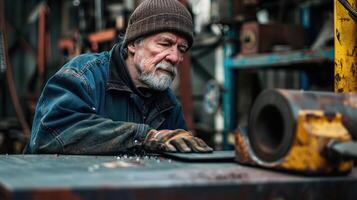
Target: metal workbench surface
column 152, row 177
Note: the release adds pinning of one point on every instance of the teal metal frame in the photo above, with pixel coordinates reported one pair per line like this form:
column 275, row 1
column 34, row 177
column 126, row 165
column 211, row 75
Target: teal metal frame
column 280, row 59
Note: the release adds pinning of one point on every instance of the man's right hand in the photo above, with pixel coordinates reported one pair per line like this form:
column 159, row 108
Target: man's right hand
column 177, row 140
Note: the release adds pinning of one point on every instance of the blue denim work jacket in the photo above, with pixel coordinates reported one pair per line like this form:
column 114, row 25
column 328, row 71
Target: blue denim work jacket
column 91, row 106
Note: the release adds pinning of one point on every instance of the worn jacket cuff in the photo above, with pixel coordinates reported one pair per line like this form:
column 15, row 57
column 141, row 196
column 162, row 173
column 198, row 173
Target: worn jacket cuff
column 140, row 135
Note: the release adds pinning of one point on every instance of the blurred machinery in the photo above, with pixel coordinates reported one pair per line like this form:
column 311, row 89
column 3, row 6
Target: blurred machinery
column 260, row 38
column 29, row 41
column 97, row 28
column 306, row 132
column 13, row 133
column 282, row 44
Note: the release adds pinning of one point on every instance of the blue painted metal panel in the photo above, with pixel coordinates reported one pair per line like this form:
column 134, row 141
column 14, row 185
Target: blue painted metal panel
column 280, row 59
column 305, row 17
column 229, row 105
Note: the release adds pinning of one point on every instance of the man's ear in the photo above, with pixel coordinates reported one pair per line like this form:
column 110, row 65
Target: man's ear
column 131, row 48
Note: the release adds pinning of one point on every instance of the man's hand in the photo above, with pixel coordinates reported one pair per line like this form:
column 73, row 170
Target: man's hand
column 174, row 141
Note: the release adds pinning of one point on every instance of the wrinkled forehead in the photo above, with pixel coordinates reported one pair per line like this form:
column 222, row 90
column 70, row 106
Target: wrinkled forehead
column 170, row 36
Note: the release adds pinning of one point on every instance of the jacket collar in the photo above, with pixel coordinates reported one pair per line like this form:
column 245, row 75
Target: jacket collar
column 119, row 78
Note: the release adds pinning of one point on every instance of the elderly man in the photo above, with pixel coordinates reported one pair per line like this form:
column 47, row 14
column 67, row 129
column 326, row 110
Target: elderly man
column 120, row 101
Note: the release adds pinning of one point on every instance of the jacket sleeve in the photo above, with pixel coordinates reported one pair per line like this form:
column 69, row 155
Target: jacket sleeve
column 66, row 122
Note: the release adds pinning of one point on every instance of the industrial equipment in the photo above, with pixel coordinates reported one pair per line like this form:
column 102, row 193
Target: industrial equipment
column 307, row 132
column 259, row 38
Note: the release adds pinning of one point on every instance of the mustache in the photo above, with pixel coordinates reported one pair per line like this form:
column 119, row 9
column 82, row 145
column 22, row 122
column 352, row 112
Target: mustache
column 163, row 65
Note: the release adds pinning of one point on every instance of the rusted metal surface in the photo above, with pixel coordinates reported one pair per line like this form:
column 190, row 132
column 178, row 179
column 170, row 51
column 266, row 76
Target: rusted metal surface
column 294, row 101
column 291, row 130
column 89, row 177
column 345, row 49
column 329, row 102
column 242, row 148
column 315, row 131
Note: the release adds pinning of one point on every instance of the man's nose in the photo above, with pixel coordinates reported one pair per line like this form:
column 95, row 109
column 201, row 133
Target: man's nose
column 174, row 56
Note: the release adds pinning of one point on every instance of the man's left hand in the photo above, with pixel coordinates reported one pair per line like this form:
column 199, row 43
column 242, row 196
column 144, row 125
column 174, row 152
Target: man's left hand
column 177, row 140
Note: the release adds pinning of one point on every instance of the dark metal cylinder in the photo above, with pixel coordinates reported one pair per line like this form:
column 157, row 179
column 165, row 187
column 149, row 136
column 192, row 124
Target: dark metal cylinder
column 273, row 118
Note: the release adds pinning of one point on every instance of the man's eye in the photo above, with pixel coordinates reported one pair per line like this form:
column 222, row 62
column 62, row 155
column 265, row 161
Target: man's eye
column 165, row 44
column 183, row 49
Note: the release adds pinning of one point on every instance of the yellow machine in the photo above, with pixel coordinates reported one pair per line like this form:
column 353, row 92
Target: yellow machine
column 298, row 131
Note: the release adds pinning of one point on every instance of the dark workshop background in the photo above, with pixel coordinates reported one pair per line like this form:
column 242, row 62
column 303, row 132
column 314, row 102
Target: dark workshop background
column 241, row 47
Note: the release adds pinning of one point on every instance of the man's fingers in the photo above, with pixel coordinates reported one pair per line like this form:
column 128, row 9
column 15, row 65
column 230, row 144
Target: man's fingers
column 163, row 137
column 180, row 145
column 169, row 147
column 203, row 145
column 201, row 142
column 176, row 140
column 158, row 146
column 196, row 146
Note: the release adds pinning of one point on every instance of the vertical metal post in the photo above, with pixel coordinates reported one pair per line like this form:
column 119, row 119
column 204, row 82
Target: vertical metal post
column 41, row 52
column 305, row 21
column 185, row 86
column 98, row 15
column 185, row 90
column 2, row 64
column 229, row 96
column 2, row 56
column 345, row 49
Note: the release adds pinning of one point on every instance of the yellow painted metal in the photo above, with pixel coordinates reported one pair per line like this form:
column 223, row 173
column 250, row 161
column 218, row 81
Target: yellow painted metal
column 345, row 49
column 307, row 153
column 313, row 134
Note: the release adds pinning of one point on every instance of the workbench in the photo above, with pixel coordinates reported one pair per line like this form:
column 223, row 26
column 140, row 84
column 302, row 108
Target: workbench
column 156, row 177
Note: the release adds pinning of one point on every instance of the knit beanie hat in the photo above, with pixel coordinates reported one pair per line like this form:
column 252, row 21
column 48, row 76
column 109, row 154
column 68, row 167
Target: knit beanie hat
column 153, row 16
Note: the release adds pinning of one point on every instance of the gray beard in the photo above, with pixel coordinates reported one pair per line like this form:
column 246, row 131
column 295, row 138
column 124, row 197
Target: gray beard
column 159, row 82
